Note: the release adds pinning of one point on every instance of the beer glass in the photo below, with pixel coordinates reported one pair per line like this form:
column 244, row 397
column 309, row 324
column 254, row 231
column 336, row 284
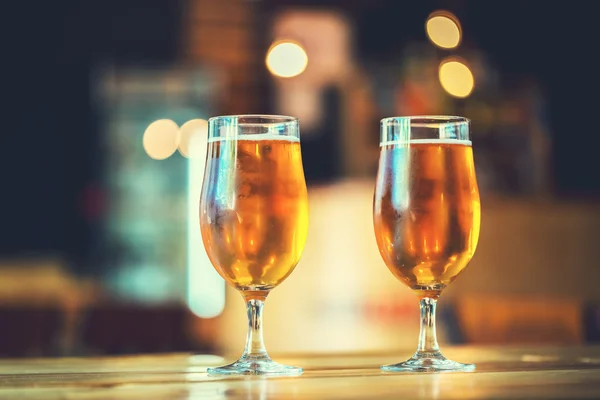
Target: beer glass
column 426, row 215
column 254, row 218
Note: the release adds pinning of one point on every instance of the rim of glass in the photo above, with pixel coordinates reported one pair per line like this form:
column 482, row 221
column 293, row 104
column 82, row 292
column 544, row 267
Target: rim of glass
column 426, row 121
column 256, row 119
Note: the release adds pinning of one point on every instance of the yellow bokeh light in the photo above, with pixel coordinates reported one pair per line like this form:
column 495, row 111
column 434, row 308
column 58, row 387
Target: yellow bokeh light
column 286, row 59
column 456, row 78
column 160, row 139
column 195, row 128
column 443, row 29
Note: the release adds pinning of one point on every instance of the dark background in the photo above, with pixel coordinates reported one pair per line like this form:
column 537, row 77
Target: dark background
column 50, row 164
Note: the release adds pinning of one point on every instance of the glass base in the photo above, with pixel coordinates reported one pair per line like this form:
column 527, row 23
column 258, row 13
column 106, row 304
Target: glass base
column 263, row 366
column 429, row 362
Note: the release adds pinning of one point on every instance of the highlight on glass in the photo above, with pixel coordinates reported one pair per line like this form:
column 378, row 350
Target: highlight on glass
column 254, row 218
column 426, row 214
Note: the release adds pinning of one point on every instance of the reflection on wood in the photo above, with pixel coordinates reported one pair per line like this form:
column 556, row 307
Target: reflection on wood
column 519, row 373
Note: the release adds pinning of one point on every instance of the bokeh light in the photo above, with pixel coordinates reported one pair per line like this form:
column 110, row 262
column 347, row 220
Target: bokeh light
column 456, row 78
column 195, row 128
column 160, row 139
column 443, row 29
column 286, row 59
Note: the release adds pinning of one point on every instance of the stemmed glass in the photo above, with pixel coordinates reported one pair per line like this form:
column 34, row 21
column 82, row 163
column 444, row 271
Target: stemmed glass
column 254, row 218
column 426, row 215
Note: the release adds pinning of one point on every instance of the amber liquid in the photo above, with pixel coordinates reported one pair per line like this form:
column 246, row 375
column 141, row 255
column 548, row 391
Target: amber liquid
column 254, row 210
column 426, row 211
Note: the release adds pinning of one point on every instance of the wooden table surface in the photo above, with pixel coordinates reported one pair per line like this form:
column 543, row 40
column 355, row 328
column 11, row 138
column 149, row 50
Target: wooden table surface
column 508, row 372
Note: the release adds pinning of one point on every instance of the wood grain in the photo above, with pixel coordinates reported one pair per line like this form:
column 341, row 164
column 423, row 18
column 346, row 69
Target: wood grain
column 503, row 372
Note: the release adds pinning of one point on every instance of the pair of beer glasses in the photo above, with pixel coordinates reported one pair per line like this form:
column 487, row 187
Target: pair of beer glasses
column 254, row 217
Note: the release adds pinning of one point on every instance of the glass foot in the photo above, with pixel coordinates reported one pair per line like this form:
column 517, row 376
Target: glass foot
column 429, row 362
column 256, row 366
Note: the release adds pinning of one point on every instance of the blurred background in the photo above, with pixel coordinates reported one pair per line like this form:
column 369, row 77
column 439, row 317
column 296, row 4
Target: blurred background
column 100, row 251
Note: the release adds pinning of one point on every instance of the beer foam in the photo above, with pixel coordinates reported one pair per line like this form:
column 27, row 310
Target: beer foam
column 426, row 141
column 255, row 137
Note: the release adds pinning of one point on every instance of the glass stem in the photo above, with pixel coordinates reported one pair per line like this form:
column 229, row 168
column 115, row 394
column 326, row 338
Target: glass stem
column 255, row 346
column 428, row 344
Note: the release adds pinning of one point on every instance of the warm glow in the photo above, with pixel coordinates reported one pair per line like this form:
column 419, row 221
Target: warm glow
column 195, row 128
column 286, row 59
column 456, row 78
column 443, row 29
column 160, row 139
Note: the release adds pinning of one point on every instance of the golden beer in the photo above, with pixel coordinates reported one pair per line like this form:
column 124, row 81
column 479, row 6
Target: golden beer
column 426, row 211
column 254, row 209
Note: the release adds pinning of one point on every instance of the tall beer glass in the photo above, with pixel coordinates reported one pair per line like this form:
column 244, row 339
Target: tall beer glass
column 254, row 218
column 426, row 215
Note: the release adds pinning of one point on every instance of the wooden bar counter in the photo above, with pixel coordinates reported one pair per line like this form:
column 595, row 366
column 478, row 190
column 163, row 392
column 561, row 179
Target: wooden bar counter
column 502, row 373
